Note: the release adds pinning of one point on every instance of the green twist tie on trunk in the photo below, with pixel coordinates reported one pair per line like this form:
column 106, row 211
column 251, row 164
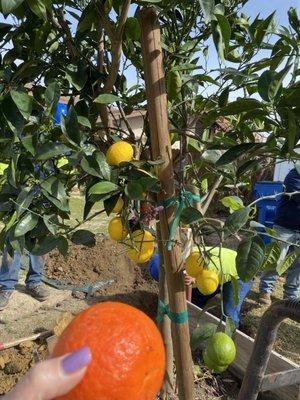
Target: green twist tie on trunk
column 177, row 318
column 186, row 198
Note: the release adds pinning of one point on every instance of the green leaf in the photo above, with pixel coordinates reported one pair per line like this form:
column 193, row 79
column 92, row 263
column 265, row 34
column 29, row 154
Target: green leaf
column 50, row 150
column 103, row 188
column 235, row 290
column 272, row 255
column 76, row 74
column 264, row 83
column 10, row 5
column 234, row 152
column 63, row 246
column 241, row 105
column 287, row 262
column 24, row 200
column 276, row 84
column 250, row 165
column 292, row 133
column 109, row 204
column 293, row 19
column 250, row 256
column 12, row 115
column 96, row 165
column 70, row 128
column 28, row 143
column 23, row 102
column 148, row 183
column 202, row 333
column 45, row 245
column 223, row 98
column 207, row 7
column 40, row 7
column 52, row 223
column 225, row 30
column 230, row 327
column 236, row 221
column 107, row 99
column 134, row 191
column 53, row 189
column 84, row 237
column 26, row 224
column 262, row 28
column 232, row 202
column 190, row 215
column 52, row 93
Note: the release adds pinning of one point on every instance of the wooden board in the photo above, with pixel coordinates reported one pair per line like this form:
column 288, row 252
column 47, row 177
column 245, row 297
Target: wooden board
column 245, row 344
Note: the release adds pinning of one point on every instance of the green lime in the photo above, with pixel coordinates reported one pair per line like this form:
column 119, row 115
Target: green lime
column 221, row 349
column 174, row 84
column 133, row 29
column 211, row 365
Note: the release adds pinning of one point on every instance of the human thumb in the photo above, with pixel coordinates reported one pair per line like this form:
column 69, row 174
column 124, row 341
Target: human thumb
column 52, row 378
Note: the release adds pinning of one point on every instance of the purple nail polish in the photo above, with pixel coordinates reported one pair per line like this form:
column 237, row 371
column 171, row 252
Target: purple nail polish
column 77, row 360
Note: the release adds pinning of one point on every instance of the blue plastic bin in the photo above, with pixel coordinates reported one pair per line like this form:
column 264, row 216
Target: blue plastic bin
column 61, row 109
column 267, row 208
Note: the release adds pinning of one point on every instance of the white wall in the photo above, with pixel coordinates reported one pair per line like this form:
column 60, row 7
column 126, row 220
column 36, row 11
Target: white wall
column 282, row 169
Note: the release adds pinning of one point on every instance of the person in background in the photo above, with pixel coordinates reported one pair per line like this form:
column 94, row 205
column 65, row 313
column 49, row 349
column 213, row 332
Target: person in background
column 287, row 226
column 224, row 264
column 9, row 274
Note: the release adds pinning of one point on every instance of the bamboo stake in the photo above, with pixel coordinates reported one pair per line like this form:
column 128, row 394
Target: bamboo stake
column 165, row 326
column 161, row 148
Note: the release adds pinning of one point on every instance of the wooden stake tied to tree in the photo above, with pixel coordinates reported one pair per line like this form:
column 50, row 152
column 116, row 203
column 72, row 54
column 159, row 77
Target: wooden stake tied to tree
column 161, row 149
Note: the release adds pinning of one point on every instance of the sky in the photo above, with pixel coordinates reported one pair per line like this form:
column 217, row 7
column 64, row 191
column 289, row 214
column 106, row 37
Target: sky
column 252, row 9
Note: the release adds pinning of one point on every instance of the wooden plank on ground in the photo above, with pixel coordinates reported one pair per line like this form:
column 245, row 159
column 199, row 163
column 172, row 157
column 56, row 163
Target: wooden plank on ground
column 245, row 344
column 280, row 379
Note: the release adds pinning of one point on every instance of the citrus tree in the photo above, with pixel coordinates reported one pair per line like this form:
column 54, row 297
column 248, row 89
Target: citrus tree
column 228, row 118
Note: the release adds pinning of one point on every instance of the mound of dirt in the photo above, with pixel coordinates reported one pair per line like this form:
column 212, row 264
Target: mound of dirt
column 106, row 261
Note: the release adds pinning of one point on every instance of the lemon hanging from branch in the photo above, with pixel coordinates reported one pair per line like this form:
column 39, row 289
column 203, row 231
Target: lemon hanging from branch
column 119, row 152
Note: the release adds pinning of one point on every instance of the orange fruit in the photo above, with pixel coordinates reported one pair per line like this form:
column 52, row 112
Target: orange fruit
column 128, row 356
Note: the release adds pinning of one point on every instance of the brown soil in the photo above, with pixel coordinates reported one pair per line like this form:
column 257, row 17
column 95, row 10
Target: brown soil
column 132, row 284
column 15, row 362
column 107, row 260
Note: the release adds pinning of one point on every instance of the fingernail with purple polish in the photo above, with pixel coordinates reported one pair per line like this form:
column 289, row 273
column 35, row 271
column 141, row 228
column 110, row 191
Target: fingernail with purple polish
column 77, row 360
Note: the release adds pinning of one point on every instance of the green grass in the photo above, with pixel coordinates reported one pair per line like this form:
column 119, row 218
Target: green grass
column 97, row 224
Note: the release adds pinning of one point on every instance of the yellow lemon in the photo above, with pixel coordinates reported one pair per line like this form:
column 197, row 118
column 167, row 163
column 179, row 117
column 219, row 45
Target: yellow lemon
column 119, row 152
column 194, row 264
column 118, row 206
column 3, row 168
column 140, row 257
column 141, row 246
column 116, row 229
column 62, row 162
column 207, row 282
column 220, row 349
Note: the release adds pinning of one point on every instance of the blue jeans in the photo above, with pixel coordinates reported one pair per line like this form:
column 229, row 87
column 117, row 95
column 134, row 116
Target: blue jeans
column 230, row 309
column 10, row 268
column 269, row 277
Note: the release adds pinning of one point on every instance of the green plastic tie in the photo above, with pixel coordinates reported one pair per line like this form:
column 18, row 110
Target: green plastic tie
column 177, row 318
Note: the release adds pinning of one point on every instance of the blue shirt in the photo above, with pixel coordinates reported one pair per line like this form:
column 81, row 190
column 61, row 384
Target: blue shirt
column 288, row 209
